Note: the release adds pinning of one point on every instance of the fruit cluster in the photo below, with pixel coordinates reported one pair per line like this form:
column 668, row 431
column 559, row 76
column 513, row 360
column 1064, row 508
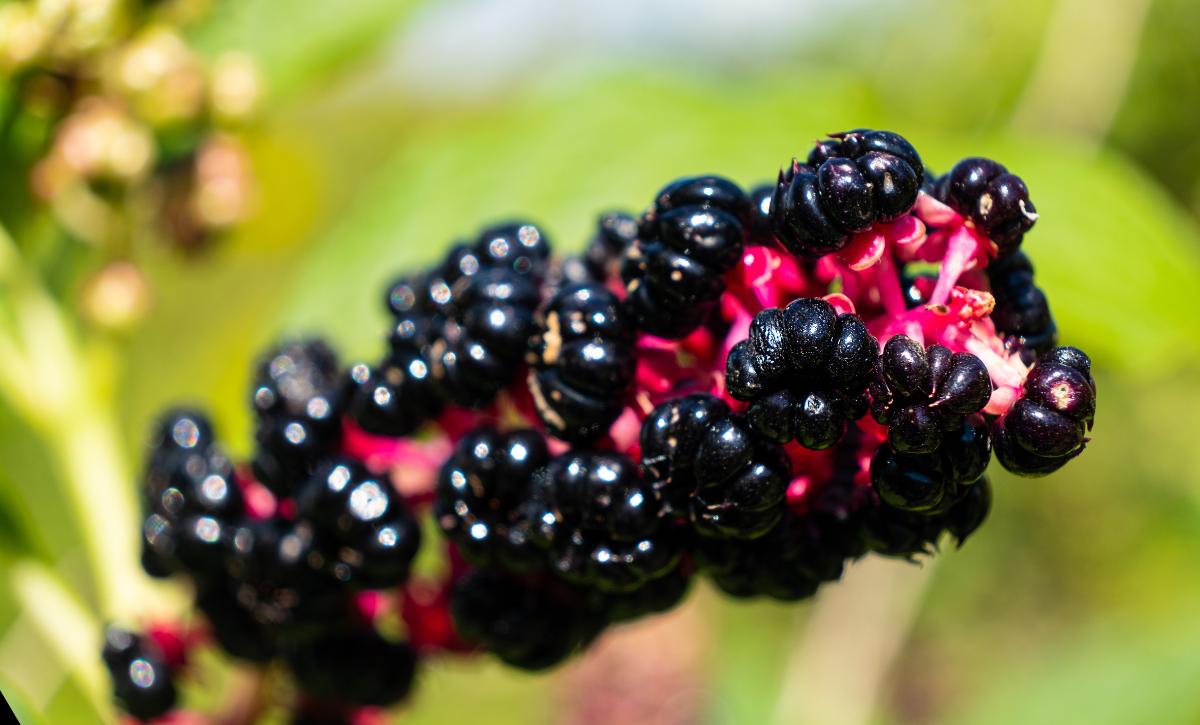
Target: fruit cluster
column 689, row 397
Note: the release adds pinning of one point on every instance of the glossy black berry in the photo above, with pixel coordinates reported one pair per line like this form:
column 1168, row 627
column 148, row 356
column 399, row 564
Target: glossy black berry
column 694, row 233
column 520, row 247
column 482, row 492
column 142, row 684
column 670, row 437
column 482, row 347
column 741, row 481
column 760, row 216
column 803, row 369
column 354, row 664
column 615, row 232
column 969, row 512
column 395, row 398
column 995, row 200
column 1048, row 425
column 929, row 482
column 601, row 522
column 581, row 362
column 529, row 624
column 1022, row 313
column 365, row 521
column 849, row 182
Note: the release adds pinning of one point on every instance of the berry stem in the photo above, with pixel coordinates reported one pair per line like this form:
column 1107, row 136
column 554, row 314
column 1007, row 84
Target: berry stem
column 961, row 248
column 889, row 285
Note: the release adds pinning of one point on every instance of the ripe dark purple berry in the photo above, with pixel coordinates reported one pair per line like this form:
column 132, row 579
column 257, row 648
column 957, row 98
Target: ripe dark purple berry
column 694, row 233
column 995, row 200
column 849, row 182
column 1048, row 425
column 1022, row 313
column 395, row 398
column 921, row 394
column 601, row 523
column 581, row 362
column 803, row 369
column 741, row 481
column 481, row 495
column 364, row 520
column 929, row 482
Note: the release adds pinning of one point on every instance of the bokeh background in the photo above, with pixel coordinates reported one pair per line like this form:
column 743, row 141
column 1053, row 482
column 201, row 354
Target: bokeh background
column 383, row 129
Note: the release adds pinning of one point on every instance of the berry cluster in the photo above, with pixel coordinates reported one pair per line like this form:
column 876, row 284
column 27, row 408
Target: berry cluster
column 755, row 389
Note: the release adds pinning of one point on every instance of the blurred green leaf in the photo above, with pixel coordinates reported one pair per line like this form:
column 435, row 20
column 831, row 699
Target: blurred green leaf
column 25, row 714
column 1117, row 676
column 300, row 42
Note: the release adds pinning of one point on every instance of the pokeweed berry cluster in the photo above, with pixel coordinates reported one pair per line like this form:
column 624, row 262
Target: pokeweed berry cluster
column 689, row 397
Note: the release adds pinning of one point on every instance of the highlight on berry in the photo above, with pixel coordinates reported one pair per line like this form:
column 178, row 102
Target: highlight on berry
column 750, row 389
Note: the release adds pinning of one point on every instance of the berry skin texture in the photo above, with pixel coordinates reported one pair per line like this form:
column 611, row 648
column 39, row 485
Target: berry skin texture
column 601, row 523
column 693, row 234
column 1022, row 312
column 996, row 201
column 142, row 683
column 395, row 398
column 1048, row 425
column 804, row 370
column 581, row 362
column 931, row 482
column 848, row 183
column 481, row 495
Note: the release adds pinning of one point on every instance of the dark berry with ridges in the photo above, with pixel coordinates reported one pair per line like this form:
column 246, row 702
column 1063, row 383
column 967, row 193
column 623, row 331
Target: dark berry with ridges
column 930, row 481
column 1022, row 313
column 481, row 494
column 996, row 201
column 1048, row 425
column 297, row 397
column 669, row 438
column 601, row 522
column 519, row 247
column 395, row 398
column 760, row 216
column 694, row 233
column 366, row 523
column 615, row 232
column 803, row 369
column 969, row 512
column 921, row 394
column 741, row 478
column 850, row 182
column 232, row 626
column 142, row 683
column 581, row 362
column 481, row 349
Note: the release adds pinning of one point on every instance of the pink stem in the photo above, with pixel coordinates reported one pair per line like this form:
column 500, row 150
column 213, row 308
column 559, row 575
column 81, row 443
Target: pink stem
column 889, row 285
column 961, row 248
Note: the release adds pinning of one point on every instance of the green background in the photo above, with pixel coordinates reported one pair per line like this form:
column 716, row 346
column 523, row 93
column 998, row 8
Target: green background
column 1079, row 601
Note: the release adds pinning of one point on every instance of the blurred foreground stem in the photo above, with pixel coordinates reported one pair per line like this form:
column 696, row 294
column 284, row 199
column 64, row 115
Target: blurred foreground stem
column 849, row 641
column 62, row 389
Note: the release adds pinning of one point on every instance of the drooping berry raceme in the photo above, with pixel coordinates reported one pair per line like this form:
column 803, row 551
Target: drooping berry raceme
column 804, row 371
column 581, row 362
column 690, row 237
column 854, row 180
column 1048, row 425
column 729, row 345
